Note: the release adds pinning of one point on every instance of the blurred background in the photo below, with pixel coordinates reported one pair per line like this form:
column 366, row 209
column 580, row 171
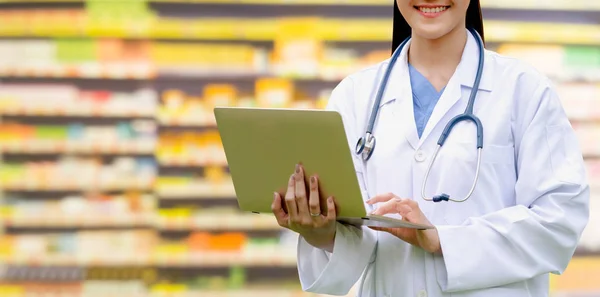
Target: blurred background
column 113, row 181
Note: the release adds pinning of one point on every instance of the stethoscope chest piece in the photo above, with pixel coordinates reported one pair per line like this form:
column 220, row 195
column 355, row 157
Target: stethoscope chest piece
column 365, row 146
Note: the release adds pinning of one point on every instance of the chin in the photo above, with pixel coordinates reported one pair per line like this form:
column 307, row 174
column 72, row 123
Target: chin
column 431, row 32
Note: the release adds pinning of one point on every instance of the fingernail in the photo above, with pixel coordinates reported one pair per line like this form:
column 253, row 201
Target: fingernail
column 274, row 195
column 313, row 179
column 297, row 168
column 330, row 200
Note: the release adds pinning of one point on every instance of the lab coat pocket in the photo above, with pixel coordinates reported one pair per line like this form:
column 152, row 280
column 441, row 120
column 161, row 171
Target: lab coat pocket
column 496, row 175
column 565, row 155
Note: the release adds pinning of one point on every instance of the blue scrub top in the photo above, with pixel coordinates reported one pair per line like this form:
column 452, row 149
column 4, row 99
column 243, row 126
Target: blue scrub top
column 425, row 97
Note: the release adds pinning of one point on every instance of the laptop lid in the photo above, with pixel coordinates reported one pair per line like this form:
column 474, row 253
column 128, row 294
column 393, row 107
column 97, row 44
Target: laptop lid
column 263, row 146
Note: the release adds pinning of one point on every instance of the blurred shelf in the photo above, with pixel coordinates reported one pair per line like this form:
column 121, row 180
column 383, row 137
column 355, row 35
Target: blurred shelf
column 506, row 4
column 76, row 260
column 568, row 5
column 221, row 222
column 323, row 78
column 204, row 190
column 32, row 186
column 83, row 72
column 244, row 293
column 65, row 147
column 260, row 257
column 175, row 162
column 196, row 197
column 173, row 74
column 188, row 293
column 72, row 111
column 80, row 222
column 267, row 29
column 186, row 121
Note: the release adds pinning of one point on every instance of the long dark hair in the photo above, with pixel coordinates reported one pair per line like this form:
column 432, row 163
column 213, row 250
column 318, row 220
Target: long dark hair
column 402, row 30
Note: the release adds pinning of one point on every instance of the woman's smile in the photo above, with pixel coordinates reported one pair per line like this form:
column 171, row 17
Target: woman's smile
column 431, row 10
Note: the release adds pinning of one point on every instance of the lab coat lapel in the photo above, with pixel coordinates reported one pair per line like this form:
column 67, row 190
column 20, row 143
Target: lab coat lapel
column 404, row 108
column 399, row 88
column 466, row 69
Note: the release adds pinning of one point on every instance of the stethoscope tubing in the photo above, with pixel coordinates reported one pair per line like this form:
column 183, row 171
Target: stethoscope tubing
column 366, row 144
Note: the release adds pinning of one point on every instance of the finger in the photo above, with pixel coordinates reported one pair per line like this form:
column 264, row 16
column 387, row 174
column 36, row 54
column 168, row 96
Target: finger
column 387, row 207
column 381, row 198
column 331, row 211
column 404, row 210
column 290, row 198
column 313, row 200
column 300, row 189
column 278, row 211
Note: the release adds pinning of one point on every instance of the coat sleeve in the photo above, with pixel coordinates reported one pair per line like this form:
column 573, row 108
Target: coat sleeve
column 354, row 248
column 540, row 233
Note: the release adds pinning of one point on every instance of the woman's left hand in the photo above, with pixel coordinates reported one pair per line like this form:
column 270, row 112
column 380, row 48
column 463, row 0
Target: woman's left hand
column 428, row 239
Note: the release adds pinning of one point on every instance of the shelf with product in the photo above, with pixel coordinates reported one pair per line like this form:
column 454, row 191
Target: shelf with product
column 65, row 100
column 79, row 174
column 142, row 248
column 560, row 5
column 60, row 23
column 130, row 209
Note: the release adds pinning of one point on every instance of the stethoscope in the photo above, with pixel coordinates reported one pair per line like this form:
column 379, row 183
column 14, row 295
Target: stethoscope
column 366, row 144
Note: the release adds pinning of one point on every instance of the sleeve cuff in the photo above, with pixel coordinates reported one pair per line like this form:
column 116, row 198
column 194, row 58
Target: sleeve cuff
column 319, row 269
column 456, row 241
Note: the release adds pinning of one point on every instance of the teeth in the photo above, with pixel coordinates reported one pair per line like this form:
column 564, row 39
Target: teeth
column 432, row 10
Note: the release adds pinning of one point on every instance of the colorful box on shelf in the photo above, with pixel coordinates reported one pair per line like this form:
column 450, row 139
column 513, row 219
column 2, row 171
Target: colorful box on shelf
column 100, row 248
column 68, row 147
column 205, row 220
column 194, row 190
column 135, row 135
column 191, row 148
column 80, row 222
column 263, row 258
column 121, row 174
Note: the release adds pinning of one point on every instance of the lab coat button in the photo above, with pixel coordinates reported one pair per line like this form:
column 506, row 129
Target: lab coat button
column 420, row 156
column 422, row 293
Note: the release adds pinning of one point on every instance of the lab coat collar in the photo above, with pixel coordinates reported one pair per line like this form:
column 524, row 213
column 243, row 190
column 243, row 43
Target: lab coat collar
column 467, row 68
column 399, row 89
column 465, row 71
column 464, row 76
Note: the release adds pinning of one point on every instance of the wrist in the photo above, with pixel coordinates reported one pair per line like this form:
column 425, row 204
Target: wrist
column 323, row 241
column 429, row 240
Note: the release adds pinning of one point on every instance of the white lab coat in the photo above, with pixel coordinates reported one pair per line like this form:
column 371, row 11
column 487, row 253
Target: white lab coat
column 524, row 219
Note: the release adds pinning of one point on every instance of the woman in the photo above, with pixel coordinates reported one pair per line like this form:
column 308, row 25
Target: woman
column 527, row 212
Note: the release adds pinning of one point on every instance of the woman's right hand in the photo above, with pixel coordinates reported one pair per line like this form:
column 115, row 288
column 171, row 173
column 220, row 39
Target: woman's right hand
column 304, row 212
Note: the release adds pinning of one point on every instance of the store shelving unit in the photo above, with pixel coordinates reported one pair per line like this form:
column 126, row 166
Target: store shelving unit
column 105, row 107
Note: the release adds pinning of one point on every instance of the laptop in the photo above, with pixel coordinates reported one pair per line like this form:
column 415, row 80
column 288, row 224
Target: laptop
column 263, row 145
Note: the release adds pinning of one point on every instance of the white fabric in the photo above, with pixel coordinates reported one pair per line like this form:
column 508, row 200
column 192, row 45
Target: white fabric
column 524, row 219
